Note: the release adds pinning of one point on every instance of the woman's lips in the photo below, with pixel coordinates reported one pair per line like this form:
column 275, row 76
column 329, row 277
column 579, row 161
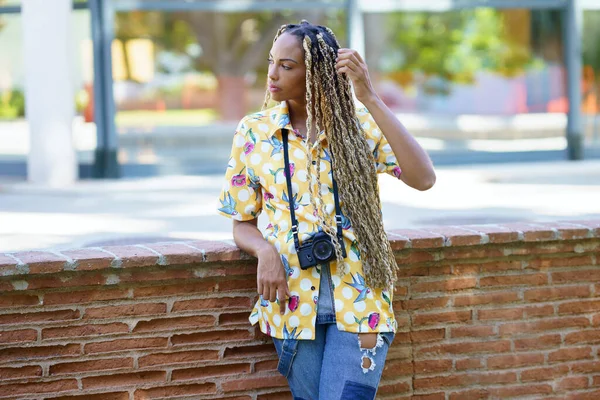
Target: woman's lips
column 273, row 89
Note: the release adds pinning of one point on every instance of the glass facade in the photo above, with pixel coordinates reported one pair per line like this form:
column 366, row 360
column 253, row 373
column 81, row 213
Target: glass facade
column 191, row 76
column 496, row 64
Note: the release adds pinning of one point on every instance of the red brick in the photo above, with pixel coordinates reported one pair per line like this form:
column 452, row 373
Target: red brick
column 421, row 239
column 100, row 396
column 471, row 253
column 557, row 293
column 407, row 271
column 212, row 303
column 154, row 275
column 19, row 336
column 179, row 390
column 177, row 254
column 53, row 281
column 209, row 371
column 42, row 262
column 542, row 325
column 545, row 373
column 496, row 233
column 465, row 269
column 515, row 360
column 501, row 266
column 486, row 298
column 457, row 380
column 472, row 331
column 179, row 357
column 583, row 337
column 18, row 300
column 499, row 346
column 254, row 383
column 445, row 285
column 542, row 311
column 132, row 256
column 514, row 280
column 455, row 236
column 39, row 317
column 84, row 296
column 8, row 266
column 539, row 342
column 579, row 307
column 229, row 319
column 426, row 303
column 269, row 365
column 545, row 263
column 235, row 335
column 219, row 251
column 474, row 394
column 442, row 317
column 468, row 363
column 31, row 353
column 427, row 335
column 125, row 344
column 595, row 395
column 238, row 285
column 200, row 286
column 585, row 367
column 522, row 390
column 286, row 395
column 414, row 257
column 31, row 371
column 125, row 310
column 39, row 387
column 501, row 314
column 574, row 383
column 398, row 242
column 84, row 330
column 168, row 324
column 532, row 233
column 395, row 388
column 585, row 275
column 130, row 379
column 105, row 364
column 432, row 366
column 568, row 354
column 89, row 259
column 249, row 351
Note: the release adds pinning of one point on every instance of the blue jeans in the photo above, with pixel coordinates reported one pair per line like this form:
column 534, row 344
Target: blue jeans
column 334, row 366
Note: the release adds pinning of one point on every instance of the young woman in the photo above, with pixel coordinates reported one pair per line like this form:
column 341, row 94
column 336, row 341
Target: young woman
column 325, row 267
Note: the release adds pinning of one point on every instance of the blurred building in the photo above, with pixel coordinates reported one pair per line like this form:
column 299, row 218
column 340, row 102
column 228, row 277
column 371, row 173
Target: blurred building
column 157, row 86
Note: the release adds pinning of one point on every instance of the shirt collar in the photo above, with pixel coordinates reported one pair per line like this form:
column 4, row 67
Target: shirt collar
column 281, row 120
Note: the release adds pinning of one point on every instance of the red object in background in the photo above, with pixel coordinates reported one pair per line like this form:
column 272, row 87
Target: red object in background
column 88, row 111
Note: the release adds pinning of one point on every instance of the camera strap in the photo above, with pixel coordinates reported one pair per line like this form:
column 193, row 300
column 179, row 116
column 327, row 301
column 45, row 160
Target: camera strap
column 288, row 178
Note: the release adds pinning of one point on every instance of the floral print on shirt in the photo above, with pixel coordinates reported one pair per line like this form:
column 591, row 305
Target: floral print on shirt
column 255, row 182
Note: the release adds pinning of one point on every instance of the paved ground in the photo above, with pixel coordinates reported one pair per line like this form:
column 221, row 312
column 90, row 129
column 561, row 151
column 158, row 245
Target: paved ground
column 183, row 207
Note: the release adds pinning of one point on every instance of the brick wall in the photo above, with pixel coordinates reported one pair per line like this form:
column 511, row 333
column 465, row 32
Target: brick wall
column 485, row 312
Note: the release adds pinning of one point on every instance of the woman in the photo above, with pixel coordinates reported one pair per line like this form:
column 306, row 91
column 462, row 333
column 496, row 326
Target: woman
column 332, row 322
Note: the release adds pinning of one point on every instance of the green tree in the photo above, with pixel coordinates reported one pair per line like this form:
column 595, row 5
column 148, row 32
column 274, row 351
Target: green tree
column 591, row 51
column 434, row 50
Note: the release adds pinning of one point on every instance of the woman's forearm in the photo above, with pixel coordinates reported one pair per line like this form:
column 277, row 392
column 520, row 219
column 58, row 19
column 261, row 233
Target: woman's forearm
column 248, row 238
column 416, row 166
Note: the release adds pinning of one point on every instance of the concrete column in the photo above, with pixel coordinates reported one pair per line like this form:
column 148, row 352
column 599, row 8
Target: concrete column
column 356, row 32
column 49, row 103
column 574, row 63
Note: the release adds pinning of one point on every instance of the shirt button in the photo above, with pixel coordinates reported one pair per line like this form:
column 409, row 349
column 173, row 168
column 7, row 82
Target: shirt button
column 312, row 288
column 314, row 163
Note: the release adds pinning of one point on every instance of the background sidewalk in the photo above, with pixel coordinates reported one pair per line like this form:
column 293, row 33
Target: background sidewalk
column 184, row 207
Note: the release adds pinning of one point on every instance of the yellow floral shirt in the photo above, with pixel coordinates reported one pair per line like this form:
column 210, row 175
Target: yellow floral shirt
column 254, row 182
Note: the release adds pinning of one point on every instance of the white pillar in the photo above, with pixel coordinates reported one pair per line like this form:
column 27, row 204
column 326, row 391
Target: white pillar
column 49, row 103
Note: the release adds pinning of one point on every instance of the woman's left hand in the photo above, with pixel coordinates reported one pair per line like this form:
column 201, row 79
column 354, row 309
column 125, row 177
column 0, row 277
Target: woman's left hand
column 351, row 63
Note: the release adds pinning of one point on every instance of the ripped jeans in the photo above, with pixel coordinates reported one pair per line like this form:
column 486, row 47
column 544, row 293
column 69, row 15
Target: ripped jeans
column 334, row 366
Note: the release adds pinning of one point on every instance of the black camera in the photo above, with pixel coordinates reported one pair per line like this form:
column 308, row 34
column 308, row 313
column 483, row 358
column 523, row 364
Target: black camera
column 318, row 250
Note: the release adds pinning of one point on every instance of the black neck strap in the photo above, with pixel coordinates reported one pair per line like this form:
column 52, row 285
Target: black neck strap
column 288, row 178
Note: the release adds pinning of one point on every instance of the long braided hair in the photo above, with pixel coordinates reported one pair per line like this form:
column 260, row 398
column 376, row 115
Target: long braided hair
column 330, row 108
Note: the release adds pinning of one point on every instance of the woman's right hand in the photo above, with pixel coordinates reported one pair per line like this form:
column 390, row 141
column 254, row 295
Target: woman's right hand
column 271, row 279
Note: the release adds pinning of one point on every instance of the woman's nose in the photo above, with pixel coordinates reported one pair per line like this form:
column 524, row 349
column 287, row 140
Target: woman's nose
column 272, row 74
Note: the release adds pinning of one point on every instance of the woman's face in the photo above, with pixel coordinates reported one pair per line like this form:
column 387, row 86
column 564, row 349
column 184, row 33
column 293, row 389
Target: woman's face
column 287, row 71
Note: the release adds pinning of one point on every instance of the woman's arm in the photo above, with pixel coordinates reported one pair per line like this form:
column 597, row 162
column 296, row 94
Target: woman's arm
column 416, row 166
column 270, row 277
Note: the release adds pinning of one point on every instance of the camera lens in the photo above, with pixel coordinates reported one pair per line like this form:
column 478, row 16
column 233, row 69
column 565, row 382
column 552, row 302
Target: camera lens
column 322, row 250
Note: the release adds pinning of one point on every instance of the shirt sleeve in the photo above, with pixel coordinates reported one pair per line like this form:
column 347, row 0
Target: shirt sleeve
column 241, row 196
column 385, row 159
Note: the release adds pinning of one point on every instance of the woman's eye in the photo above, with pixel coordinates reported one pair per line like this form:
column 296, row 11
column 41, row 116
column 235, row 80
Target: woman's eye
column 270, row 61
column 285, row 67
